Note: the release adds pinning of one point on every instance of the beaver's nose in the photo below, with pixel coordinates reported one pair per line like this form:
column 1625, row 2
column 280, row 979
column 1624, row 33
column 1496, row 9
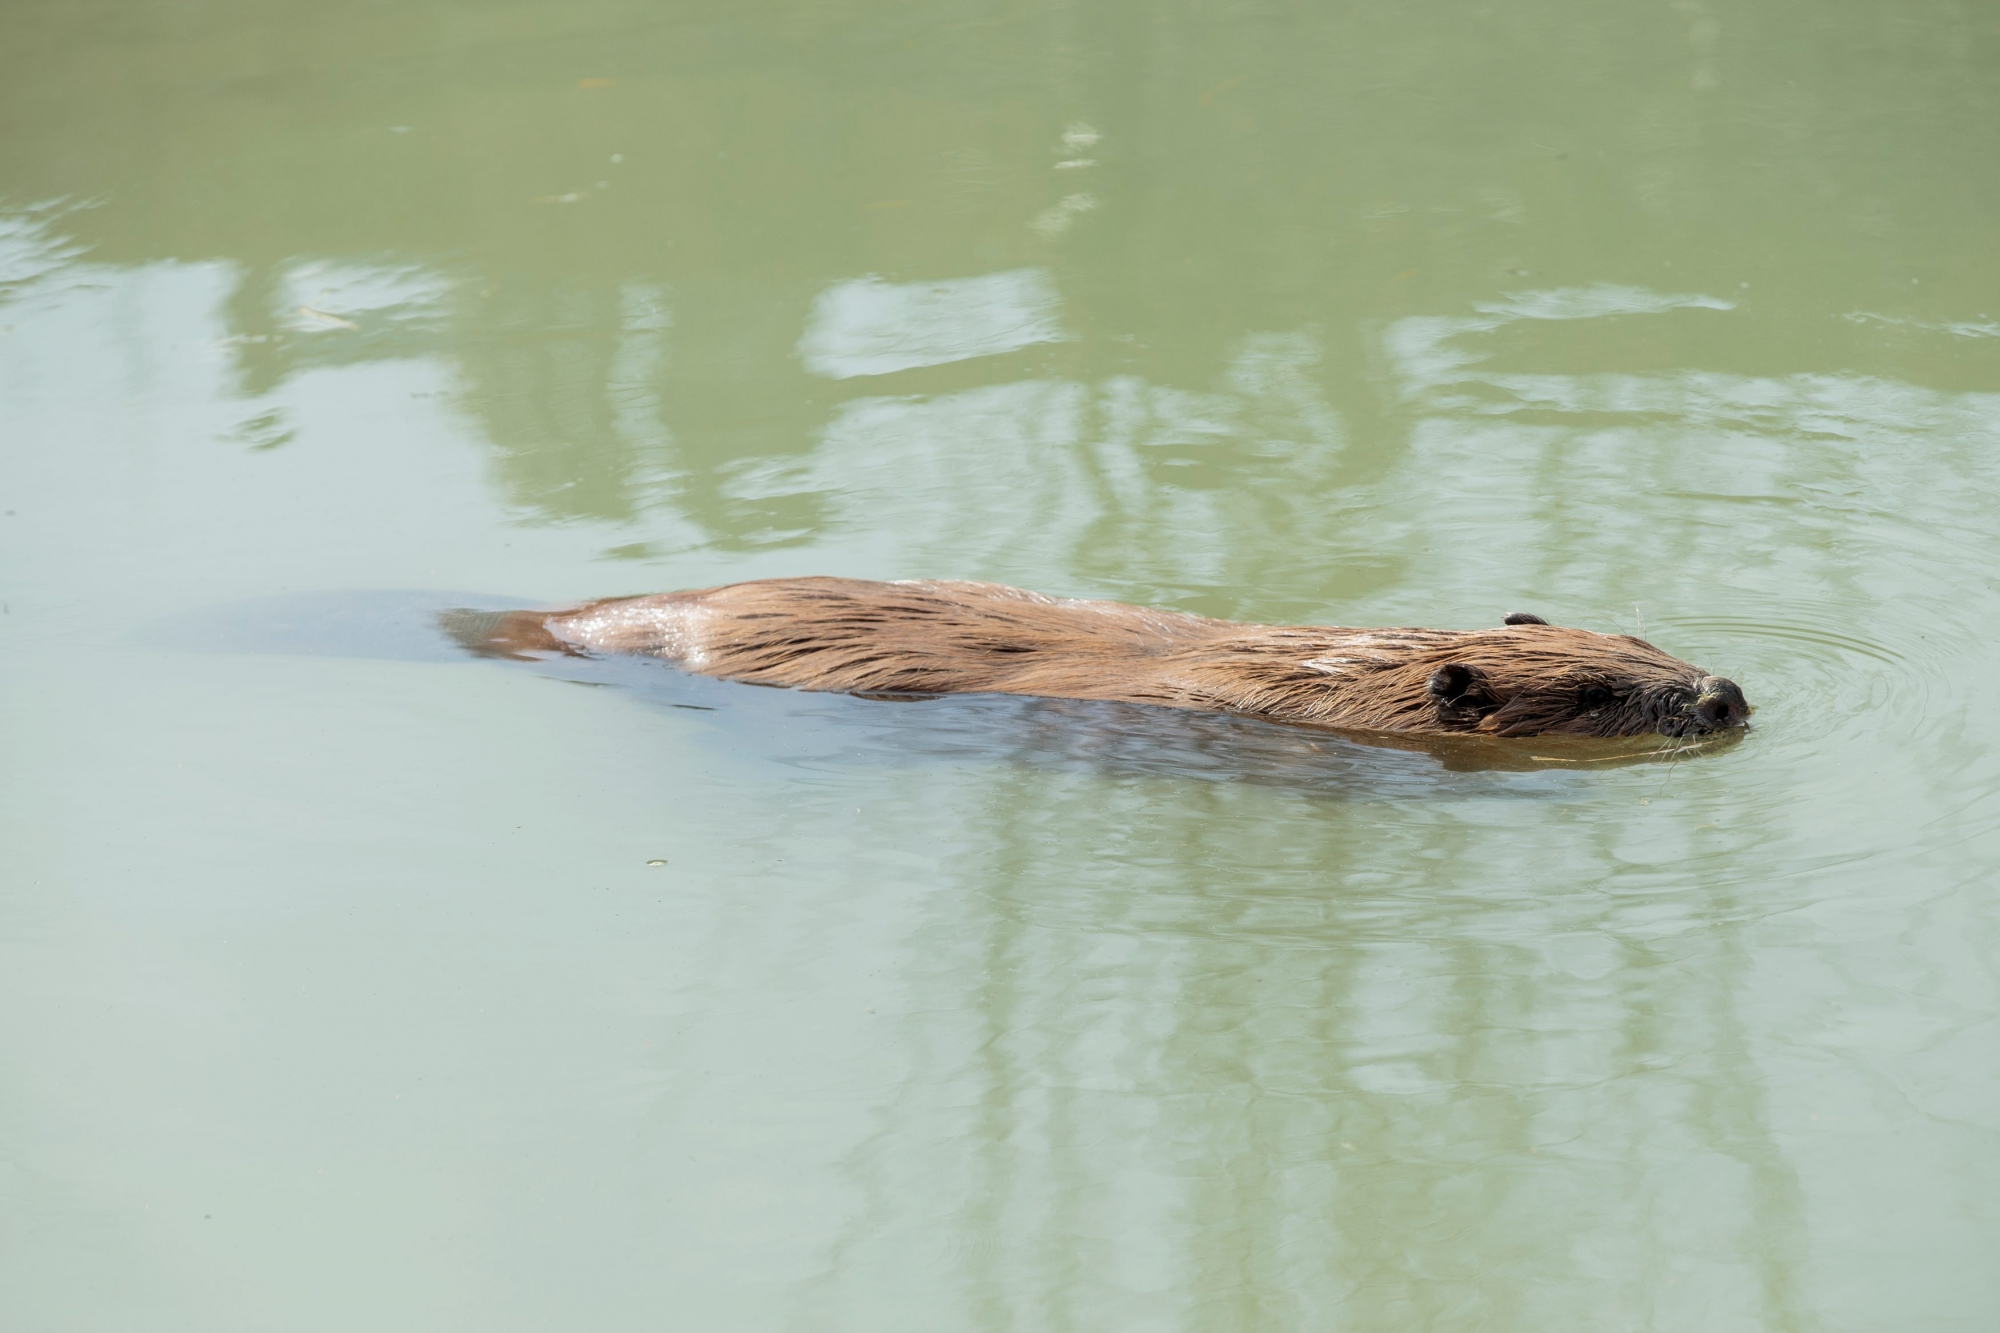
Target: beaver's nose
column 1720, row 703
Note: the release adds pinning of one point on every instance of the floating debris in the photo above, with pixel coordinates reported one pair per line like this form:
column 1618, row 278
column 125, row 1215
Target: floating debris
column 656, row 863
column 1076, row 164
column 569, row 198
column 597, row 83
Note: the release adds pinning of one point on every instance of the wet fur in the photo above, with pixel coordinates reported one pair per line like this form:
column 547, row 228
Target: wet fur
column 939, row 637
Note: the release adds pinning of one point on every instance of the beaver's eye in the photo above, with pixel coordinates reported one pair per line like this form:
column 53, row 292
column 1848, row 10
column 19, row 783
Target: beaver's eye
column 1596, row 696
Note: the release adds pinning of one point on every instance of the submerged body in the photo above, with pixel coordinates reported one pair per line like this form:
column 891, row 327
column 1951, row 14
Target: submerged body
column 942, row 637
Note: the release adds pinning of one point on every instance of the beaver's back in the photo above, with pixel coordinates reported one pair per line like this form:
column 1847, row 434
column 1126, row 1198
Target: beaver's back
column 931, row 636
column 952, row 637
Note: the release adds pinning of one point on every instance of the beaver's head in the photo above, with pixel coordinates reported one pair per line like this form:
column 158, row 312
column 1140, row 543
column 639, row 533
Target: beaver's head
column 1538, row 679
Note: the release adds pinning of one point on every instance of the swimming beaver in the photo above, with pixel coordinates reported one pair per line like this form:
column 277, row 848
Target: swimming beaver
column 927, row 637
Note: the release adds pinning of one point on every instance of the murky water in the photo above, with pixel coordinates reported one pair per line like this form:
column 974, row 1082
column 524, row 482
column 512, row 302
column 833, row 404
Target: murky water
column 347, row 984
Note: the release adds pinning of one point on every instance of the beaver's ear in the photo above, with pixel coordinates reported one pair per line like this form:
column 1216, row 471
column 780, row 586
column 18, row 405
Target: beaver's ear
column 1523, row 618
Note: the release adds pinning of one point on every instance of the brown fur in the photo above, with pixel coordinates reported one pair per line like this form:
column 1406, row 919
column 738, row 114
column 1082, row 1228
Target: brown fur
column 938, row 637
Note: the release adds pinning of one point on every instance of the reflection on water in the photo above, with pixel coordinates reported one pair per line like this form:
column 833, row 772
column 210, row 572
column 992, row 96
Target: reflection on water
column 1054, row 465
column 556, row 1006
column 870, row 327
column 32, row 249
column 1370, row 1100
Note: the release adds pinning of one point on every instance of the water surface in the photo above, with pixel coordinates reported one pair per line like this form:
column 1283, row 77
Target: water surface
column 346, row 983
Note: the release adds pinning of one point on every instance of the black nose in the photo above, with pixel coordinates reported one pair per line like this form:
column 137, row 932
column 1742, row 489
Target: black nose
column 1721, row 703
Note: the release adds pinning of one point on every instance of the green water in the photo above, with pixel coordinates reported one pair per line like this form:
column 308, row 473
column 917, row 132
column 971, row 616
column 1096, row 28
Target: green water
column 337, row 991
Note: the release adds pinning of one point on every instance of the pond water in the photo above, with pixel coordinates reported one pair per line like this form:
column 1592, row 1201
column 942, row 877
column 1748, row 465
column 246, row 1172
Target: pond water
column 349, row 984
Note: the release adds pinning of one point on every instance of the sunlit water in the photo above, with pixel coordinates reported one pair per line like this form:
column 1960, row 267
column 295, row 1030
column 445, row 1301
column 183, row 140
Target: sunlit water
column 346, row 983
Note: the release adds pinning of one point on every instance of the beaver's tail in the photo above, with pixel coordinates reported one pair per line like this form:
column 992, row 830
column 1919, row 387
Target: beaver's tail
column 518, row 635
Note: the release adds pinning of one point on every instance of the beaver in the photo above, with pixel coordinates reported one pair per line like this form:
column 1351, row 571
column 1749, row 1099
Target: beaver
column 921, row 638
